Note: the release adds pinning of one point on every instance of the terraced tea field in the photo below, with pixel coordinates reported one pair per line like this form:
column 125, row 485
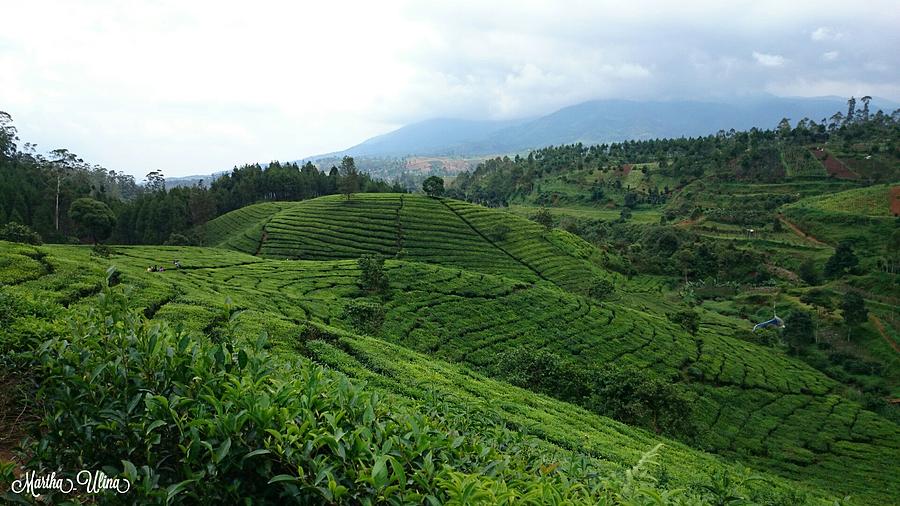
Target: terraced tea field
column 467, row 283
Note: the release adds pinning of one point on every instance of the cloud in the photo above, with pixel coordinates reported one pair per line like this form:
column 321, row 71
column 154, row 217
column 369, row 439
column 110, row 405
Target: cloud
column 768, row 60
column 192, row 87
column 824, row 33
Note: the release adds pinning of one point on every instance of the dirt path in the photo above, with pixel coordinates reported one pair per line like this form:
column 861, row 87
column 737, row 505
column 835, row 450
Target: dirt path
column 797, row 230
column 880, row 328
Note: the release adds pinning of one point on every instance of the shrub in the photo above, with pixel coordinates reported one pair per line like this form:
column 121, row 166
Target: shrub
column 176, row 239
column 688, row 319
column 101, row 250
column 16, row 232
column 365, row 316
column 543, row 217
column 186, row 420
column 372, row 277
column 601, row 289
column 635, row 397
column 498, row 232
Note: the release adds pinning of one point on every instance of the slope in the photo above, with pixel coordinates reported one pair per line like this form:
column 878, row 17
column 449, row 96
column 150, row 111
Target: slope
column 539, row 444
column 525, row 288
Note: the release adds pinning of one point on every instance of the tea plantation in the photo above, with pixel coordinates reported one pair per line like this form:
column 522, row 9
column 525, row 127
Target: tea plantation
column 425, row 415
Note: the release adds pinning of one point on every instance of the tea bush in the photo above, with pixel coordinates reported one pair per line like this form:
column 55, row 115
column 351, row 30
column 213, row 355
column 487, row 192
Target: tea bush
column 188, row 420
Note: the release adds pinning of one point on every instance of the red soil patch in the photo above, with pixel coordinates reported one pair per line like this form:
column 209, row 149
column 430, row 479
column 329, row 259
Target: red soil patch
column 833, row 166
column 626, row 169
column 895, row 200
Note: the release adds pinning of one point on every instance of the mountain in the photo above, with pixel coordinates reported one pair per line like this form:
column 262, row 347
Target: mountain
column 594, row 122
column 433, row 136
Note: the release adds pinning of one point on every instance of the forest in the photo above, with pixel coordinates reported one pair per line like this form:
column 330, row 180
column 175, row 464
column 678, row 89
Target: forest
column 38, row 190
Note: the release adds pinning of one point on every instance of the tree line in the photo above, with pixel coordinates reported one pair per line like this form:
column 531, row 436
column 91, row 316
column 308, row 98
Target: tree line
column 38, row 191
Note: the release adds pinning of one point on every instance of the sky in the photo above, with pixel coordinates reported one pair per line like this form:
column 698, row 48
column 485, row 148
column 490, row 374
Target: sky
column 201, row 86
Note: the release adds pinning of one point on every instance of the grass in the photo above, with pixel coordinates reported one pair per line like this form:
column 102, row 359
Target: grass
column 869, row 201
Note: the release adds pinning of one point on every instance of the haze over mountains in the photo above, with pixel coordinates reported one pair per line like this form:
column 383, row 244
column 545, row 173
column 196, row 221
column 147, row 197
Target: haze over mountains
column 594, row 122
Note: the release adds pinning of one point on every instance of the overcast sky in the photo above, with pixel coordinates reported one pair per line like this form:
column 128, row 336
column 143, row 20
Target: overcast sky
column 191, row 87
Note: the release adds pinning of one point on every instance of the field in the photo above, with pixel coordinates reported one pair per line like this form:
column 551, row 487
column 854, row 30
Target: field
column 466, row 284
column 282, row 297
column 486, row 295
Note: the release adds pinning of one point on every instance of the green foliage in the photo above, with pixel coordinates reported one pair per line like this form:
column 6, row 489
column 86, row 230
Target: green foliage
column 543, row 218
column 372, row 277
column 365, row 316
column 433, row 186
column 187, row 420
column 627, row 394
column 808, row 272
column 498, row 232
column 853, row 309
column 842, row 261
column 101, row 251
column 16, row 232
column 688, row 319
column 601, row 289
column 799, row 329
column 349, row 177
column 93, row 218
column 634, row 397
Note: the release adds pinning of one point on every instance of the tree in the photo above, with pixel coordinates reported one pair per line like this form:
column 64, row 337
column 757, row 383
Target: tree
column 865, row 110
column 808, row 272
column 348, row 177
column 156, row 182
column 635, row 397
column 631, row 199
column 688, row 319
column 433, row 186
column 853, row 307
column 93, row 218
column 601, row 288
column 851, row 111
column 372, row 277
column 841, row 261
column 544, row 218
column 799, row 330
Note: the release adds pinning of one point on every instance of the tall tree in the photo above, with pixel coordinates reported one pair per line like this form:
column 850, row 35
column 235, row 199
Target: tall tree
column 865, row 110
column 349, row 177
column 851, row 110
column 433, row 186
column 93, row 217
column 843, row 260
column 853, row 307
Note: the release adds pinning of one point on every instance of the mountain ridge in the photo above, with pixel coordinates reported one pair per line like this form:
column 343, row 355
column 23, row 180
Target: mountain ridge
column 594, row 122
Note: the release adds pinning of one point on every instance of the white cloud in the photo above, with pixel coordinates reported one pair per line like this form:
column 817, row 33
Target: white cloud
column 192, row 87
column 768, row 60
column 823, row 33
column 830, row 55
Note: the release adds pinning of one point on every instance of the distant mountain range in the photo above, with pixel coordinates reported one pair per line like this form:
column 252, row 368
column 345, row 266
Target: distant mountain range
column 595, row 122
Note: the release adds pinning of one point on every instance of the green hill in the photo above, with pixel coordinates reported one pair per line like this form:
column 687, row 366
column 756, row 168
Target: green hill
column 755, row 404
column 468, row 284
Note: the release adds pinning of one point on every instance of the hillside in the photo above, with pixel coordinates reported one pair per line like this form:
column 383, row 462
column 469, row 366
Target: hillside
column 747, row 411
column 280, row 296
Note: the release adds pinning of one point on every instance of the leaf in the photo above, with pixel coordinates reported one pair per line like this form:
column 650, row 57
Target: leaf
column 283, row 477
column 222, row 452
column 261, row 451
column 158, row 423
